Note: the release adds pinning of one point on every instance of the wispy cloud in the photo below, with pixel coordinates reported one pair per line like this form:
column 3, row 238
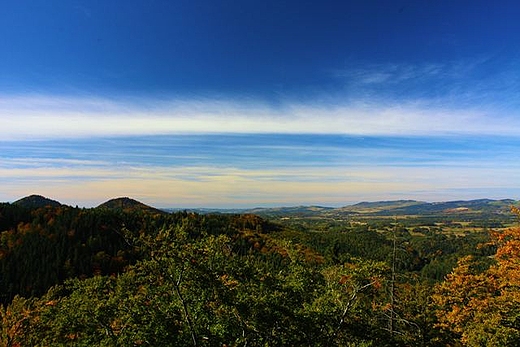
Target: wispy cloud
column 61, row 117
column 215, row 151
column 484, row 82
column 263, row 170
column 390, row 73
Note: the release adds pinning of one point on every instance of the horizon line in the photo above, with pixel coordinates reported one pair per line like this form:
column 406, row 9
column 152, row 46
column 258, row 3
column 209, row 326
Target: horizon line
column 253, row 207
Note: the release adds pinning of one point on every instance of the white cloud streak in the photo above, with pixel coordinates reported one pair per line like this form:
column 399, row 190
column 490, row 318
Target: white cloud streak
column 40, row 117
column 392, row 73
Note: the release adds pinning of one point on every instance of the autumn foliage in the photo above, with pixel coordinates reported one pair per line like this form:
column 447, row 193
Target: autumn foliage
column 482, row 306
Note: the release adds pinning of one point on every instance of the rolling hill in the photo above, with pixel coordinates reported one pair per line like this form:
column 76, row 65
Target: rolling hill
column 482, row 207
column 36, row 201
column 128, row 205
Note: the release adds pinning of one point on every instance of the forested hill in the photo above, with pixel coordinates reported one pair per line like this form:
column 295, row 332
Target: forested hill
column 128, row 205
column 36, row 201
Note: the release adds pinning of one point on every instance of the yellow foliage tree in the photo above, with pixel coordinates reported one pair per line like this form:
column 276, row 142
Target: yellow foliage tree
column 482, row 307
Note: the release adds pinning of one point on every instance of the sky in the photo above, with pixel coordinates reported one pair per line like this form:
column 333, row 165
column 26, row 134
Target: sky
column 259, row 103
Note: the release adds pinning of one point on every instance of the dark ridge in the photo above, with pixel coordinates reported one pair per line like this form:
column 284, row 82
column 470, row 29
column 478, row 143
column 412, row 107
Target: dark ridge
column 36, row 201
column 128, row 205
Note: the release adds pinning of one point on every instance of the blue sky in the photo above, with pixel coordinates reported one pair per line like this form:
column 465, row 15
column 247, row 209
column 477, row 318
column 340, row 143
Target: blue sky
column 227, row 104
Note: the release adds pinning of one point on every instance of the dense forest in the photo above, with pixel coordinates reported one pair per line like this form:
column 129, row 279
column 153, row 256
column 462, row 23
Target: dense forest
column 132, row 276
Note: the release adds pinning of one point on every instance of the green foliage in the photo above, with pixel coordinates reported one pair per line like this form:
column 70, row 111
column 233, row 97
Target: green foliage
column 57, row 243
column 197, row 291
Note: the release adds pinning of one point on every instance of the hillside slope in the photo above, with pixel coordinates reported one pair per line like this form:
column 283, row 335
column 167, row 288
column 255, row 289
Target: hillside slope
column 36, row 201
column 128, row 205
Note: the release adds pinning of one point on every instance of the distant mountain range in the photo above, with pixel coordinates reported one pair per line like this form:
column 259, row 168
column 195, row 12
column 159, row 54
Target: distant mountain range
column 397, row 208
column 412, row 207
column 482, row 207
column 377, row 208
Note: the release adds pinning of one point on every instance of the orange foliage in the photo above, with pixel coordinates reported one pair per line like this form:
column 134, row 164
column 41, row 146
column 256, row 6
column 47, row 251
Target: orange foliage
column 482, row 306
